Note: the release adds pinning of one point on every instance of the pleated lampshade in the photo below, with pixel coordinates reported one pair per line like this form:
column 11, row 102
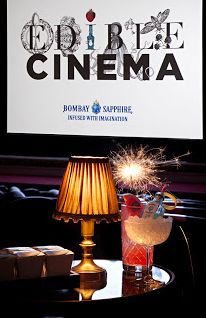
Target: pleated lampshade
column 87, row 190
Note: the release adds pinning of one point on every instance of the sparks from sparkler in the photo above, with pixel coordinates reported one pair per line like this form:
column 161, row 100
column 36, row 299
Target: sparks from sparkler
column 137, row 169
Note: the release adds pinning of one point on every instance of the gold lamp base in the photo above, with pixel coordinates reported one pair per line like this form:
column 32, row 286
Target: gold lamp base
column 87, row 267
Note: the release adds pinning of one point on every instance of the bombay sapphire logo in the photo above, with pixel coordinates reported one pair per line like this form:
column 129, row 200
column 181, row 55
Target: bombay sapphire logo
column 96, row 108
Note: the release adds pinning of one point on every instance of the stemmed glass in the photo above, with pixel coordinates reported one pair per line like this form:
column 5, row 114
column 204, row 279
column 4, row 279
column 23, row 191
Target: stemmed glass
column 148, row 232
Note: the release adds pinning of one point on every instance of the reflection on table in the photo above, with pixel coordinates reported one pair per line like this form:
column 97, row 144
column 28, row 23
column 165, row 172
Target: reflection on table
column 118, row 283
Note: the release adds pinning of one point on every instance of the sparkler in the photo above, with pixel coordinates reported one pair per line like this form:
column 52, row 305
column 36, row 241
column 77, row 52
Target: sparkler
column 137, row 169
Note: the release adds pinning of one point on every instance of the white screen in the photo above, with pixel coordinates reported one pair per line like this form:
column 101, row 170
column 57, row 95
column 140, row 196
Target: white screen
column 154, row 86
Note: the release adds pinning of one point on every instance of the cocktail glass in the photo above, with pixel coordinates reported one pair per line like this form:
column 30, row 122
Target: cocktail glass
column 148, row 232
column 134, row 256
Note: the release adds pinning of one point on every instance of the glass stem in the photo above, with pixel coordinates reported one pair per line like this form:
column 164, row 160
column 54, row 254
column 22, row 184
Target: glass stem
column 147, row 261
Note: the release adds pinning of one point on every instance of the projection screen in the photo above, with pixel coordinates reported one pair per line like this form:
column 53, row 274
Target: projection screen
column 131, row 68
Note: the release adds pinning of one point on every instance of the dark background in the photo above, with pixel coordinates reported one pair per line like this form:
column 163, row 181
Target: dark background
column 63, row 146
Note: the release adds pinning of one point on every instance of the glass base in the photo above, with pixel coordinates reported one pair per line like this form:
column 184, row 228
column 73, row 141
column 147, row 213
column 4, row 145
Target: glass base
column 135, row 269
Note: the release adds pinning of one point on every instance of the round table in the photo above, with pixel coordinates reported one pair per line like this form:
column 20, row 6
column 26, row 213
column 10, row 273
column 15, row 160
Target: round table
column 118, row 289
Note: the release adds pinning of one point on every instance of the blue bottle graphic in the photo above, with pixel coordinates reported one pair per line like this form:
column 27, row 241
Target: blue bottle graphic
column 90, row 38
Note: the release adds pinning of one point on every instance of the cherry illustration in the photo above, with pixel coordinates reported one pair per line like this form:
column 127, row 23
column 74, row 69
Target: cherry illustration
column 90, row 15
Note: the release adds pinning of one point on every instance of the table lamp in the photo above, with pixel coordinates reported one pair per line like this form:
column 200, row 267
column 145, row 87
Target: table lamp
column 87, row 193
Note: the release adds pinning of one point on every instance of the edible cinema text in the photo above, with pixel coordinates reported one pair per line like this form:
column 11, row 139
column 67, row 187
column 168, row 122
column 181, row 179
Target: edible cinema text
column 117, row 60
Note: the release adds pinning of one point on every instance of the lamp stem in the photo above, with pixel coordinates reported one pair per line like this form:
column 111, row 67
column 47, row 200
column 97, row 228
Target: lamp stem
column 87, row 265
column 87, row 231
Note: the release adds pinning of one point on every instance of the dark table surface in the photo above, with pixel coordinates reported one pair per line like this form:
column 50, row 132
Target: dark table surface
column 58, row 299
